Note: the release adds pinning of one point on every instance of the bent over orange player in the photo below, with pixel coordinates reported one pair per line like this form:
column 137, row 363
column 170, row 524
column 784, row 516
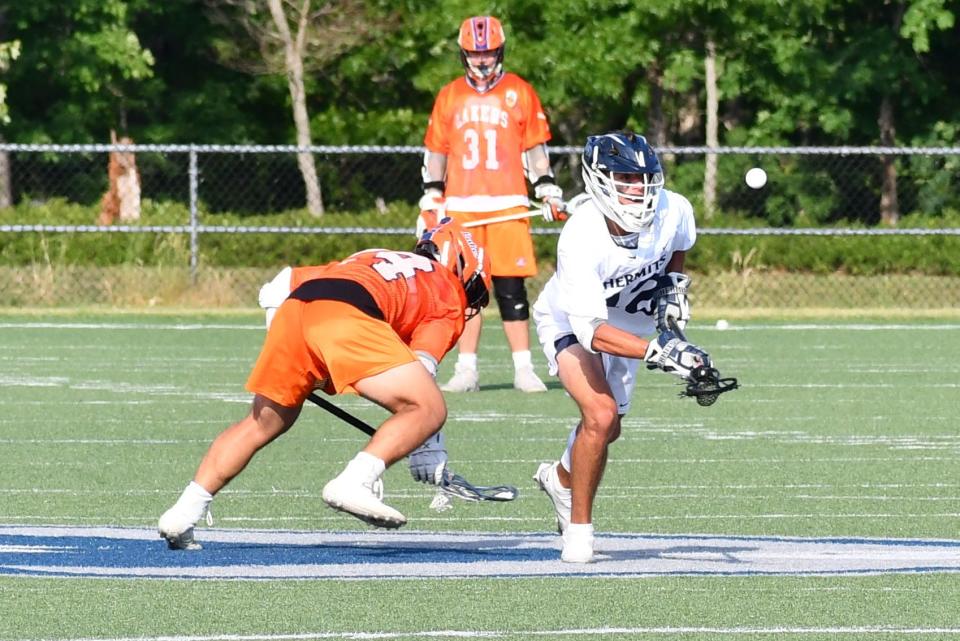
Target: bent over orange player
column 375, row 323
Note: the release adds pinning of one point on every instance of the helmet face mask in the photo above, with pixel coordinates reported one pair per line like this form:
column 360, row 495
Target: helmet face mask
column 622, row 173
column 454, row 248
column 482, row 44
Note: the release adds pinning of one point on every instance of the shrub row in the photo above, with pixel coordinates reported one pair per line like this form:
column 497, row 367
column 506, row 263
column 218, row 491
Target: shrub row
column 859, row 255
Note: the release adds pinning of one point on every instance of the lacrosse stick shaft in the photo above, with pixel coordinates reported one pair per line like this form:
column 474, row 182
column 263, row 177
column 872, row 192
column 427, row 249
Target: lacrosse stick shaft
column 675, row 328
column 343, row 415
column 502, row 219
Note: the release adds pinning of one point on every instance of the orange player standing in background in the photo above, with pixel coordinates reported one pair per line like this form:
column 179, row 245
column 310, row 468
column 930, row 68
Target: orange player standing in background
column 486, row 132
column 375, row 323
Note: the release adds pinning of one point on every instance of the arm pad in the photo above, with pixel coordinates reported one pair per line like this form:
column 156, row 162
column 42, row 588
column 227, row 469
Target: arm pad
column 583, row 328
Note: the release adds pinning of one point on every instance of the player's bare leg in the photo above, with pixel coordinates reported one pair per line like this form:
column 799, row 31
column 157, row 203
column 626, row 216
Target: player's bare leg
column 582, row 376
column 227, row 456
column 417, row 412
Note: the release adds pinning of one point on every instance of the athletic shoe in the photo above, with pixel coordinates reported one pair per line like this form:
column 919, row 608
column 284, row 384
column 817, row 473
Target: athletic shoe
column 546, row 477
column 177, row 529
column 526, row 380
column 464, row 379
column 577, row 548
column 362, row 499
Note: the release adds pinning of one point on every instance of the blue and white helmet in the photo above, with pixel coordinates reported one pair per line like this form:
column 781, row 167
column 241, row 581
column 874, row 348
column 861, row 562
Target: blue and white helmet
column 620, row 200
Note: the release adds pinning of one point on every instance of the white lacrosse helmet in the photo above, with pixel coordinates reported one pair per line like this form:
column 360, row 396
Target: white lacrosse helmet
column 622, row 173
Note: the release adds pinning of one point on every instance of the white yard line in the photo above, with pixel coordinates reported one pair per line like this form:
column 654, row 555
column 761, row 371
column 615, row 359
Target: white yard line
column 562, row 632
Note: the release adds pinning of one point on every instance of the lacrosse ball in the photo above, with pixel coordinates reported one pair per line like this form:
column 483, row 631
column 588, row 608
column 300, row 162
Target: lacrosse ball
column 722, row 324
column 756, row 178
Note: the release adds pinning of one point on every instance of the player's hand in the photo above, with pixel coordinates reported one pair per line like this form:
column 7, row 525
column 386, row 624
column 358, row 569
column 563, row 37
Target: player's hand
column 433, row 206
column 428, row 461
column 672, row 300
column 433, row 201
column 675, row 356
column 552, row 207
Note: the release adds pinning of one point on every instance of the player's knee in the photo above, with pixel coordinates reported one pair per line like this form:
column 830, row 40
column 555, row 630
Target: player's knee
column 431, row 413
column 511, row 295
column 602, row 421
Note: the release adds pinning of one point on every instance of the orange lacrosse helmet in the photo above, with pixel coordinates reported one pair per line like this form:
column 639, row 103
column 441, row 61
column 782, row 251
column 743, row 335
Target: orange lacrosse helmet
column 453, row 247
column 482, row 35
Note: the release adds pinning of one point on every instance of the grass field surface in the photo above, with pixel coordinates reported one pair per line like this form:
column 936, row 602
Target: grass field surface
column 843, row 431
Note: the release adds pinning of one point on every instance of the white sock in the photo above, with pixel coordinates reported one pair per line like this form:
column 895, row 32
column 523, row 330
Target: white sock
column 579, row 531
column 467, row 360
column 366, row 466
column 194, row 501
column 565, row 459
column 522, row 359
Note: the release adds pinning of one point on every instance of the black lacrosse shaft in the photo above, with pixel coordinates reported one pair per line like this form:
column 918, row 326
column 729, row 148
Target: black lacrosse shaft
column 341, row 414
column 675, row 327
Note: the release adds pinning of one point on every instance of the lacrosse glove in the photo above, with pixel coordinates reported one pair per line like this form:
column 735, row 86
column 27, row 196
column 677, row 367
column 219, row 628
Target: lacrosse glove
column 670, row 353
column 672, row 301
column 428, row 461
column 550, row 195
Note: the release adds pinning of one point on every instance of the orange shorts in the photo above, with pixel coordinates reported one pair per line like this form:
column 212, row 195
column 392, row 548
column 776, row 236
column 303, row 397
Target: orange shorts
column 509, row 243
column 326, row 344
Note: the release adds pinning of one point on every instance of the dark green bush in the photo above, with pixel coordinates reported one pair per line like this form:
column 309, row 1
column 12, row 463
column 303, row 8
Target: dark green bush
column 935, row 255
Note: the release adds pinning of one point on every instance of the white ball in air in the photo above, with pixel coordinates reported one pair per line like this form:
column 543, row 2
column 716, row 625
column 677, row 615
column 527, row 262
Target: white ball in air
column 722, row 324
column 756, row 178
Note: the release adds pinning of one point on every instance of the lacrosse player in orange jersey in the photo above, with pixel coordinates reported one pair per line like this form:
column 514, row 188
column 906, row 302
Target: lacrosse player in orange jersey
column 487, row 130
column 376, row 324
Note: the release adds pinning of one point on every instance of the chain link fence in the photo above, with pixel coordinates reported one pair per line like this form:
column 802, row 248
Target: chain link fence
column 197, row 201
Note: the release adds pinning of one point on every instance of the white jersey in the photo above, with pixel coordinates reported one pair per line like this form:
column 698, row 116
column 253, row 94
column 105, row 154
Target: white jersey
column 596, row 278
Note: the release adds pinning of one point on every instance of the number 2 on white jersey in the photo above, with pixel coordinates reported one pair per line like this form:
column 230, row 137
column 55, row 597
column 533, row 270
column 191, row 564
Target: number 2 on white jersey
column 472, row 139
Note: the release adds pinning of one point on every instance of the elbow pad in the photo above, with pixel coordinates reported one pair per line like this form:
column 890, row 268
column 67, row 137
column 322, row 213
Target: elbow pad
column 583, row 328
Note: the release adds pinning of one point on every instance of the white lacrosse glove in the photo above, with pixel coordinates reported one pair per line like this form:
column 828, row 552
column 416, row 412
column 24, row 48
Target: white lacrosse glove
column 552, row 207
column 273, row 294
column 672, row 300
column 433, row 207
column 428, row 461
column 670, row 353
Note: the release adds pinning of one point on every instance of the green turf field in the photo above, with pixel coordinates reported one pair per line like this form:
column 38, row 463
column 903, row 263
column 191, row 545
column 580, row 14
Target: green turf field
column 843, row 430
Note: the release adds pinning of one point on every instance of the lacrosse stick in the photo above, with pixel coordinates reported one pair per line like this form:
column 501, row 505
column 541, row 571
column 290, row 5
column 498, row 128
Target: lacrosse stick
column 704, row 382
column 451, row 484
column 502, row 219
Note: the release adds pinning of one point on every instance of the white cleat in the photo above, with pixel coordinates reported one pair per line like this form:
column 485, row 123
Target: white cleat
column 362, row 500
column 577, row 548
column 526, row 380
column 561, row 497
column 177, row 529
column 464, row 379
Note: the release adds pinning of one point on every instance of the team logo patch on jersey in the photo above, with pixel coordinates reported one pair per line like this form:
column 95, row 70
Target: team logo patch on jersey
column 244, row 554
column 510, row 98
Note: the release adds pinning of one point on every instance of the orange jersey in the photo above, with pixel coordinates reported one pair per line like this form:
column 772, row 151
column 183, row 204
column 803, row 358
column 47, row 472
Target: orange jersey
column 484, row 136
column 423, row 302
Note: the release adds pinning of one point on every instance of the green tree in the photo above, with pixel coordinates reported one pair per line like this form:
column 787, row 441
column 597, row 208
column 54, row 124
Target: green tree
column 81, row 62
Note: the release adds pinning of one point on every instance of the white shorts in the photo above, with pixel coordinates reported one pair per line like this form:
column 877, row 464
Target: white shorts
column 620, row 372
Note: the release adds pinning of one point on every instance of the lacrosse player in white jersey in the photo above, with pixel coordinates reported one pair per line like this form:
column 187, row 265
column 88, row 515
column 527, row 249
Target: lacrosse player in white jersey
column 619, row 278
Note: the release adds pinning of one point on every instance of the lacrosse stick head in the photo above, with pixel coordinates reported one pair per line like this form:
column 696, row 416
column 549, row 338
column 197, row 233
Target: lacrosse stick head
column 459, row 487
column 705, row 385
